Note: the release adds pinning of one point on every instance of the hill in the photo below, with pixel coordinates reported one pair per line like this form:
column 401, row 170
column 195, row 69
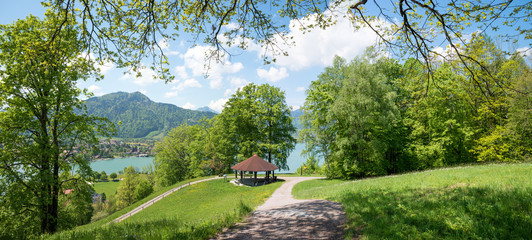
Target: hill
column 206, row 109
column 139, row 116
column 198, row 211
column 472, row 202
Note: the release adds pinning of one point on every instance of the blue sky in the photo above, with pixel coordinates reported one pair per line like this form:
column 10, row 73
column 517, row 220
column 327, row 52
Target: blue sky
column 190, row 89
column 311, row 54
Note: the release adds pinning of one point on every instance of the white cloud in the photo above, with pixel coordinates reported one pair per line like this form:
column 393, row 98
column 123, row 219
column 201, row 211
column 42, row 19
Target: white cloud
column 440, row 54
column 238, row 82
column 170, row 94
column 525, row 52
column 294, row 107
column 143, row 91
column 96, row 90
column 181, row 72
column 229, row 92
column 147, row 77
column 189, row 106
column 218, row 105
column 216, row 83
column 93, row 88
column 104, row 66
column 300, row 89
column 189, row 83
column 197, row 63
column 319, row 46
column 272, row 75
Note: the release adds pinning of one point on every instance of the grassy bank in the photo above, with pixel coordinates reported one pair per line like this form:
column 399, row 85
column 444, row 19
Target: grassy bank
column 195, row 212
column 475, row 202
column 109, row 187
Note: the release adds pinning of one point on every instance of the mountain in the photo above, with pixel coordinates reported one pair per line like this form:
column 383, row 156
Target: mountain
column 206, row 109
column 296, row 114
column 139, row 116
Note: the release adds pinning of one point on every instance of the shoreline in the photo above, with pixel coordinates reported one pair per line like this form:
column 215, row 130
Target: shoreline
column 106, row 159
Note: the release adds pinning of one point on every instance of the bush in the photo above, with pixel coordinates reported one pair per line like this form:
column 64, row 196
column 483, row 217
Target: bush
column 103, row 176
column 113, row 176
column 311, row 166
column 143, row 190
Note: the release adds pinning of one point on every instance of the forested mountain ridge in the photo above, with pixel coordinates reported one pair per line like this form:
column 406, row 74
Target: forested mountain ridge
column 206, row 109
column 139, row 116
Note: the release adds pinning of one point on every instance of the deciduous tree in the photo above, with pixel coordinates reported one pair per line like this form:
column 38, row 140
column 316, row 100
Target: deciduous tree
column 256, row 120
column 41, row 121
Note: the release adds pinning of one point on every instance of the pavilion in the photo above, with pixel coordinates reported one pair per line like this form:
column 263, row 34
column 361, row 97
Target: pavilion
column 255, row 164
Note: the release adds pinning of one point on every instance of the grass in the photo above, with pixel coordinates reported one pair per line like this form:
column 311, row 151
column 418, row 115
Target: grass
column 123, row 211
column 109, row 188
column 195, row 212
column 474, row 202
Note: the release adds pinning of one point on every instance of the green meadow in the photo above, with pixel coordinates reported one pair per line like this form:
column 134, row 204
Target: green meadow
column 109, row 187
column 472, row 202
column 196, row 212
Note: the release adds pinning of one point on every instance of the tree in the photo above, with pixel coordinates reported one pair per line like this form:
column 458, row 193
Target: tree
column 366, row 118
column 439, row 121
column 113, row 176
column 97, row 175
column 495, row 110
column 175, row 154
column 77, row 204
column 317, row 131
column 144, row 189
column 519, row 124
column 41, row 121
column 352, row 119
column 125, row 194
column 103, row 176
column 127, row 32
column 256, row 120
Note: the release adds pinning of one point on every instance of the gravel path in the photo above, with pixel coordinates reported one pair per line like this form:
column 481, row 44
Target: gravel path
column 283, row 217
column 156, row 199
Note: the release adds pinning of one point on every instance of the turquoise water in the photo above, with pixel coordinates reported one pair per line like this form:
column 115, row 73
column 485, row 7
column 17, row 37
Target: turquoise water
column 116, row 164
column 295, row 159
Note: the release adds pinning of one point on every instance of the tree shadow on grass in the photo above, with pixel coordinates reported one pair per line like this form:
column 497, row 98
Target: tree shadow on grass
column 457, row 212
column 171, row 228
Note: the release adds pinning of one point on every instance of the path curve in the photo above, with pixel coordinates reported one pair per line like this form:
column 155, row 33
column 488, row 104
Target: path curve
column 156, row 199
column 283, row 217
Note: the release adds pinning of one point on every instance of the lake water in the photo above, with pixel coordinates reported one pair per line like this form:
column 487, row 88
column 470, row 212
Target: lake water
column 117, row 164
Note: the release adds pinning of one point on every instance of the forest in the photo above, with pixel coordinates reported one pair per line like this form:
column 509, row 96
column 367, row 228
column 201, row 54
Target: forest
column 375, row 116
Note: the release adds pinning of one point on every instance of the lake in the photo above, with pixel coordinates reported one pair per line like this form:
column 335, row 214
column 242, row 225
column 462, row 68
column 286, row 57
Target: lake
column 117, row 164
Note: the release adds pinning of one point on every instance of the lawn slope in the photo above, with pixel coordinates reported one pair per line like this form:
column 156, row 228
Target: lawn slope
column 196, row 212
column 475, row 202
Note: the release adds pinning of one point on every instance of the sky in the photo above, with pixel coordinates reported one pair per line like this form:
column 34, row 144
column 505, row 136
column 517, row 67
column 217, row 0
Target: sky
column 293, row 74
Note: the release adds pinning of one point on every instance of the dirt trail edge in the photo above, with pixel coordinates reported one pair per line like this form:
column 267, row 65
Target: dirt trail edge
column 283, row 217
column 156, row 199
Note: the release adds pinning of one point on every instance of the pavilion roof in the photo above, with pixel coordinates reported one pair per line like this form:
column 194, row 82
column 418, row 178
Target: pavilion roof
column 254, row 164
